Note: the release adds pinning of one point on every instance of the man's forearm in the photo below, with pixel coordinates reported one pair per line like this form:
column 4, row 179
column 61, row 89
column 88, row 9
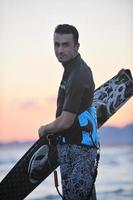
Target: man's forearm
column 54, row 126
column 64, row 121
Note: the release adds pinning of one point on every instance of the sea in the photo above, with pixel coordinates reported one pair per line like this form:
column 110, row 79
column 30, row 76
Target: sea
column 114, row 180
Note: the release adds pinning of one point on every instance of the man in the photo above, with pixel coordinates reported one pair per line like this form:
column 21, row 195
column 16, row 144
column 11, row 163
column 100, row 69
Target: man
column 75, row 122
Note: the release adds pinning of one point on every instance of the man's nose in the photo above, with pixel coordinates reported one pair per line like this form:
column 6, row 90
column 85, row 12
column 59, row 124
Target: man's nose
column 60, row 49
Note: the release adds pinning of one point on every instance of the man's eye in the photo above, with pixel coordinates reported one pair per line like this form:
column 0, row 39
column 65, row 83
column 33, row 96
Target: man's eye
column 56, row 45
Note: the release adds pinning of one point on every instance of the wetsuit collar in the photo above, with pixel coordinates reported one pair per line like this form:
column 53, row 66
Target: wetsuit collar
column 68, row 65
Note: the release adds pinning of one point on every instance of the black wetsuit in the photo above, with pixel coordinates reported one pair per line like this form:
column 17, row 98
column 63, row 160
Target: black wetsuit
column 76, row 161
column 75, row 94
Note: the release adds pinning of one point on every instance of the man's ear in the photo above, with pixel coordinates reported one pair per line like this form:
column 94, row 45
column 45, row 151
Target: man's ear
column 77, row 47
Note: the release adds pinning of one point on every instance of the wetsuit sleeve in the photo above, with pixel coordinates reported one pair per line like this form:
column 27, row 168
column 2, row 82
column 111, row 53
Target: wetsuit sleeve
column 73, row 97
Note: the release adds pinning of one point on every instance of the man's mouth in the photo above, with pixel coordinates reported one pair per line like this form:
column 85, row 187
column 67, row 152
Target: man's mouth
column 61, row 56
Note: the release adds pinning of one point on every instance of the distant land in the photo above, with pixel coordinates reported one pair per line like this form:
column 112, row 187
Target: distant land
column 109, row 136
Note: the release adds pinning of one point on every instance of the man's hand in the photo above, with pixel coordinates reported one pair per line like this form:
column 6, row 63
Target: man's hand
column 61, row 123
column 42, row 132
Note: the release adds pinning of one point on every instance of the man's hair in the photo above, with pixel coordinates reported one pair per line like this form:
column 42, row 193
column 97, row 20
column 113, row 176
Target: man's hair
column 68, row 29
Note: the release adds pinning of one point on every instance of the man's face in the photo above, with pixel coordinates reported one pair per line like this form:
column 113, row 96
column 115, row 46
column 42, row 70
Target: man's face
column 64, row 46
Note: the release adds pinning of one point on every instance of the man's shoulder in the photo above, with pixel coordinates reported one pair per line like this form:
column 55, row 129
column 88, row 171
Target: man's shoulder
column 85, row 67
column 83, row 71
column 80, row 77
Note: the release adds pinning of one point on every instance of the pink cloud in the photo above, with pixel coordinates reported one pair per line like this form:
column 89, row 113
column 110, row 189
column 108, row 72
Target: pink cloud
column 29, row 104
column 32, row 104
column 51, row 99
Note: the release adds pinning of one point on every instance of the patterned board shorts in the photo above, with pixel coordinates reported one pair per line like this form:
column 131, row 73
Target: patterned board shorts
column 77, row 165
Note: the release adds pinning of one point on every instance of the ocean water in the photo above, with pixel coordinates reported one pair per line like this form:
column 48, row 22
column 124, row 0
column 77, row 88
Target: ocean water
column 114, row 181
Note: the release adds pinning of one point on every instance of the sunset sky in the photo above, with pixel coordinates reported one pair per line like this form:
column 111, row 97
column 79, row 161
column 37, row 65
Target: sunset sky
column 29, row 72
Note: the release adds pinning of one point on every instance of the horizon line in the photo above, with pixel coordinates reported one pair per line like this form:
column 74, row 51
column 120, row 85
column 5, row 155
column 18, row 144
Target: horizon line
column 34, row 140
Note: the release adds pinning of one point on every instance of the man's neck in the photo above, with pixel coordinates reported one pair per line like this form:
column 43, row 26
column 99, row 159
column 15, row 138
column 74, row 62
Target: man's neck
column 65, row 64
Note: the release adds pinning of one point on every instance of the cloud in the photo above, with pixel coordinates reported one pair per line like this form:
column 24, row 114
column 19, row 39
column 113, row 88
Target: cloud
column 30, row 104
column 51, row 99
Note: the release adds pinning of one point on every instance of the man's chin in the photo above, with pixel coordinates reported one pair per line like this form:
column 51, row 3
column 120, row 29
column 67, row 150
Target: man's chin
column 62, row 60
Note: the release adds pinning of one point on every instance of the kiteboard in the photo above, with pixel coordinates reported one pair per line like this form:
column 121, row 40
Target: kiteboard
column 27, row 174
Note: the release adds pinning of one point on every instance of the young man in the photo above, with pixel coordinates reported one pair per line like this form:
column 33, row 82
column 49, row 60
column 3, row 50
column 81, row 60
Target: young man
column 75, row 120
